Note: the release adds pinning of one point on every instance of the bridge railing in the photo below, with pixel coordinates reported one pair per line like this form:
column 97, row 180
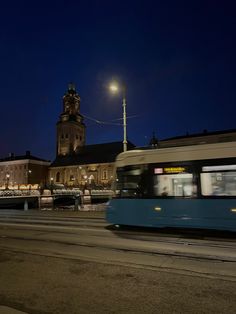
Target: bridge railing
column 8, row 193
column 102, row 192
column 66, row 192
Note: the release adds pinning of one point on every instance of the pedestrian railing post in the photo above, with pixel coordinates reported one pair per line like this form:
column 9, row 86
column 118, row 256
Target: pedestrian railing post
column 26, row 205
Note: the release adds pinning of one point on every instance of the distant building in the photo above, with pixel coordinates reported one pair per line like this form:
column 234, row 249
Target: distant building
column 77, row 164
column 194, row 139
column 23, row 170
column 70, row 127
column 92, row 166
column 154, row 143
column 80, row 165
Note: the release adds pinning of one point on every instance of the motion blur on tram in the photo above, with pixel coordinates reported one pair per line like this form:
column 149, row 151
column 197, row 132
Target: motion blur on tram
column 184, row 187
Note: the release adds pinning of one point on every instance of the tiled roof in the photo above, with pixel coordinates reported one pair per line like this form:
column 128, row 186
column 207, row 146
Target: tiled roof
column 92, row 154
column 204, row 133
column 22, row 157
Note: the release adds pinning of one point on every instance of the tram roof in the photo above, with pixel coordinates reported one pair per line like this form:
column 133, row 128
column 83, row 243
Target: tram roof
column 180, row 153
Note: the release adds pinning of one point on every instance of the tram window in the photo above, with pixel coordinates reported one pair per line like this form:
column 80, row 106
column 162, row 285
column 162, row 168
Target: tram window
column 128, row 182
column 218, row 183
column 180, row 184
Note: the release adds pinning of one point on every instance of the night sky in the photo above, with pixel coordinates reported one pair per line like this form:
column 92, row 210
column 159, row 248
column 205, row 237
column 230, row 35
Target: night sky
column 177, row 59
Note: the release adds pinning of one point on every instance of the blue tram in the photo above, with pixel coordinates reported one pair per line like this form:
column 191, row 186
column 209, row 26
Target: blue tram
column 188, row 187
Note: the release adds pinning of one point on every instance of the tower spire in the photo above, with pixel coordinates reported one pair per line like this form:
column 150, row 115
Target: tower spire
column 70, row 127
column 154, row 141
column 71, row 87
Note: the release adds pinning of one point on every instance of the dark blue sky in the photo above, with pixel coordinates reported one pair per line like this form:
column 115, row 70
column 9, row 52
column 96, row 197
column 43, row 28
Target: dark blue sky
column 177, row 59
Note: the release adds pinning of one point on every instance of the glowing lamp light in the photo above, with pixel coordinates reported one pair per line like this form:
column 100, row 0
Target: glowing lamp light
column 114, row 87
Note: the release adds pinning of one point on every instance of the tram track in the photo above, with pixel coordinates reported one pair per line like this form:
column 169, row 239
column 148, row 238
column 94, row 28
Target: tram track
column 50, row 217
column 167, row 262
column 73, row 217
column 50, row 223
column 165, row 247
column 93, row 240
column 72, row 226
column 42, row 221
column 129, row 250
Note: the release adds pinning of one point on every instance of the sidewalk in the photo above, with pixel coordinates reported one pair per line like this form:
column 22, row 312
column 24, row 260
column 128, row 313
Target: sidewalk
column 9, row 310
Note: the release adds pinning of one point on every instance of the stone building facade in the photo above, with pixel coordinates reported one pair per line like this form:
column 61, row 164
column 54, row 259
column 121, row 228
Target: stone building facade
column 80, row 165
column 27, row 170
column 70, row 127
column 77, row 164
column 92, row 166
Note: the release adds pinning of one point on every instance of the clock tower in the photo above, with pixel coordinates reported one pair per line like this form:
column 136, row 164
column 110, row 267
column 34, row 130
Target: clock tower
column 70, row 127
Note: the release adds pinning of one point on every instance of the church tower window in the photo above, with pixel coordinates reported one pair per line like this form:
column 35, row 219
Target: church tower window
column 70, row 121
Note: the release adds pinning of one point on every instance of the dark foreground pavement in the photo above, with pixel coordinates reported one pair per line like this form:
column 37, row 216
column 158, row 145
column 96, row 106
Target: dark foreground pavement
column 39, row 284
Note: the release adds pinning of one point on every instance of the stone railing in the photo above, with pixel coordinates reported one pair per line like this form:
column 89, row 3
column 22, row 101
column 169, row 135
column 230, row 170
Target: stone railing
column 8, row 193
column 102, row 192
column 66, row 192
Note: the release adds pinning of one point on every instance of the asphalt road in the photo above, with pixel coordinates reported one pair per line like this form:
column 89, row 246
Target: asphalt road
column 70, row 262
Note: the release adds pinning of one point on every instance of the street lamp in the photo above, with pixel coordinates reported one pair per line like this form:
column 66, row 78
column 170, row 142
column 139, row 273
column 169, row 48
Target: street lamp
column 29, row 179
column 29, row 176
column 115, row 88
column 51, row 183
column 7, row 180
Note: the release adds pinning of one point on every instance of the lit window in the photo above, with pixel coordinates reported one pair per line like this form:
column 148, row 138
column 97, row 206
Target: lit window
column 219, row 168
column 180, row 184
column 72, row 178
column 218, row 183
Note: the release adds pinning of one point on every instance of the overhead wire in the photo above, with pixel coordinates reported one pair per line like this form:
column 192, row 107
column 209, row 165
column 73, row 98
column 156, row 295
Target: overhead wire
column 107, row 122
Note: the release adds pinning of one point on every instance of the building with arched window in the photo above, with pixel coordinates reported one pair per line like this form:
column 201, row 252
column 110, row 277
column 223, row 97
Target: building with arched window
column 18, row 170
column 77, row 164
column 80, row 165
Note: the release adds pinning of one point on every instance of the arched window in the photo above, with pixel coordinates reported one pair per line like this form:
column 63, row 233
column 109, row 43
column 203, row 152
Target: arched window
column 58, row 177
column 104, row 175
